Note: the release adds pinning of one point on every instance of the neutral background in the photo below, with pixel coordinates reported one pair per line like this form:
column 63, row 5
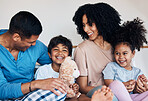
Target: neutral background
column 56, row 18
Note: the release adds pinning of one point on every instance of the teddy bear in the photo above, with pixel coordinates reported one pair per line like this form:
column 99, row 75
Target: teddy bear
column 68, row 72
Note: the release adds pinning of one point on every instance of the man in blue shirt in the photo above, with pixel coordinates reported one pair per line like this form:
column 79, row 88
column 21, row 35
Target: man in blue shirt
column 19, row 52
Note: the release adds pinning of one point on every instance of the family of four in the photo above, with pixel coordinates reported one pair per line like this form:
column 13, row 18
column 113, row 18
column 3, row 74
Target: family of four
column 103, row 58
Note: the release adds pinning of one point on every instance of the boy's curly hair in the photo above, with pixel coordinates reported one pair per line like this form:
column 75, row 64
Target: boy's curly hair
column 131, row 33
column 105, row 17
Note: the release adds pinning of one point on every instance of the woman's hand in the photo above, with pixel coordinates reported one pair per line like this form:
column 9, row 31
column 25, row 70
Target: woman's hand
column 130, row 85
column 141, row 85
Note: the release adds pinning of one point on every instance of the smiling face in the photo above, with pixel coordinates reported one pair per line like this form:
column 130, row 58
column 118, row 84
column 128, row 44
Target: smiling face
column 123, row 55
column 59, row 53
column 24, row 44
column 91, row 30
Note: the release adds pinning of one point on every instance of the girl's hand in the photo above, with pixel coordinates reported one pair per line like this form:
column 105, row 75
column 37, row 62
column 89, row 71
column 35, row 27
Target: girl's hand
column 130, row 85
column 142, row 85
column 143, row 77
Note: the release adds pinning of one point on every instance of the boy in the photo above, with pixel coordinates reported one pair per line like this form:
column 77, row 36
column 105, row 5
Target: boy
column 59, row 48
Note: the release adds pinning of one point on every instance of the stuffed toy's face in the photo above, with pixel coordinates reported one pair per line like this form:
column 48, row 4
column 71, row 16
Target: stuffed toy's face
column 69, row 70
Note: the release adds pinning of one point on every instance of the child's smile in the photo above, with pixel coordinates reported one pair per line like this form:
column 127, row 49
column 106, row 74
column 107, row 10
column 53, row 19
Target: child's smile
column 59, row 53
column 60, row 58
column 123, row 55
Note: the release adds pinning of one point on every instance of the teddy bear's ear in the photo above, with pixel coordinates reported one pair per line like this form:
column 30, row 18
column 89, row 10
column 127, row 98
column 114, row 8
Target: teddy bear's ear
column 76, row 73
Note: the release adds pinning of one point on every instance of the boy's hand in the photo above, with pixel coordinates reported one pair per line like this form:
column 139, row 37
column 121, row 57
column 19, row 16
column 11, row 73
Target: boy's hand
column 130, row 85
column 75, row 87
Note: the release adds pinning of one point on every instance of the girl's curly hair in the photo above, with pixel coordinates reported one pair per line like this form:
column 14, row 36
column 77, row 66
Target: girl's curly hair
column 105, row 17
column 131, row 33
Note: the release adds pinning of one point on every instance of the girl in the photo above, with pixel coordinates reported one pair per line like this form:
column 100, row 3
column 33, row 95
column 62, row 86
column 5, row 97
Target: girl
column 129, row 37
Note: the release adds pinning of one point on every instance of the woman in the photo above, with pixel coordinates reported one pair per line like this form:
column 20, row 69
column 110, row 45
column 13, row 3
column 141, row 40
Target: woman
column 96, row 23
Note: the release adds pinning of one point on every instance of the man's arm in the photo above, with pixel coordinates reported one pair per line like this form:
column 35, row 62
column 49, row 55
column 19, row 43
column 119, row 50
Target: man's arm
column 16, row 90
column 46, row 84
column 9, row 90
column 43, row 57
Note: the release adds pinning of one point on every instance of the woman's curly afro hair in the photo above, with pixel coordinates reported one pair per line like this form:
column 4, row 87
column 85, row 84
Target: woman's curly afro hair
column 105, row 17
column 131, row 33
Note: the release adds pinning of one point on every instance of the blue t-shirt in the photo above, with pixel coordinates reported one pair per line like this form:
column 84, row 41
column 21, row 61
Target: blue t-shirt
column 116, row 72
column 14, row 72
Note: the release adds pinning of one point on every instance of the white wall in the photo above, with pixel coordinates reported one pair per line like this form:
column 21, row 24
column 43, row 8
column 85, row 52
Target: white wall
column 141, row 60
column 56, row 17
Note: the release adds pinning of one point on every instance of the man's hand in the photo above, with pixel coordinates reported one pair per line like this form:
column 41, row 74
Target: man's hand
column 50, row 84
column 130, row 85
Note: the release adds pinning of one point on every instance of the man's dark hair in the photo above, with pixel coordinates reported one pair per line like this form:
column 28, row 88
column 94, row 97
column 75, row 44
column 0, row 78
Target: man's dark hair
column 25, row 24
column 105, row 17
column 60, row 40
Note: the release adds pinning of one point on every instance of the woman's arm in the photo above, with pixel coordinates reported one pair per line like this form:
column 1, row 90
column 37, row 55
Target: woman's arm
column 108, row 81
column 84, row 88
column 82, row 80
